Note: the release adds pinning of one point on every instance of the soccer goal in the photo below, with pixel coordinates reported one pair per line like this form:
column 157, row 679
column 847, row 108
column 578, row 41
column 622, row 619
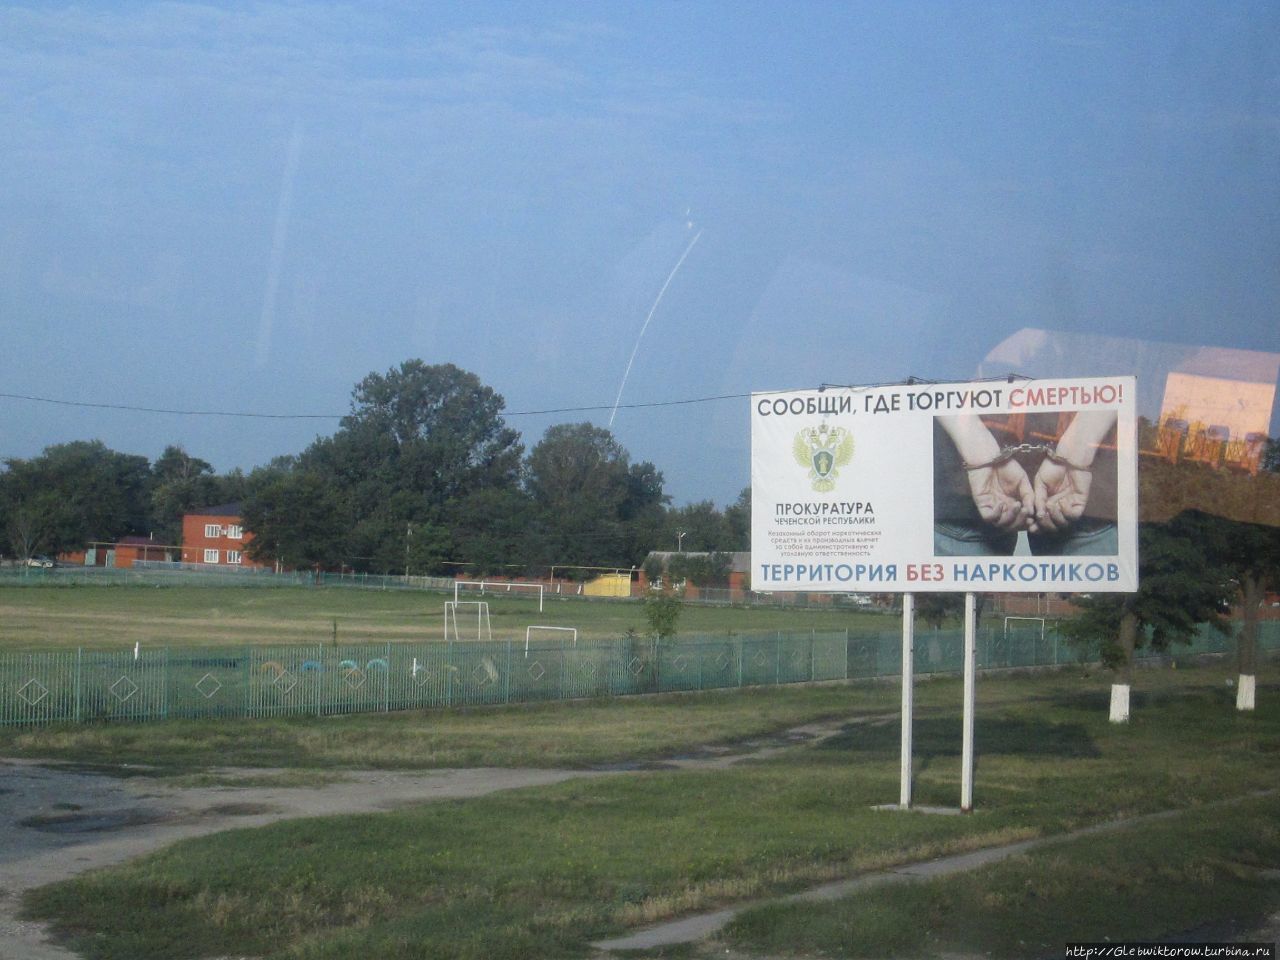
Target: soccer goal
column 1020, row 627
column 1020, row 620
column 528, row 633
column 484, row 629
column 500, row 586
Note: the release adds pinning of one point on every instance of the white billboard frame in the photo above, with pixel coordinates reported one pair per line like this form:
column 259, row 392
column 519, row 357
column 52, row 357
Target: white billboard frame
column 877, row 489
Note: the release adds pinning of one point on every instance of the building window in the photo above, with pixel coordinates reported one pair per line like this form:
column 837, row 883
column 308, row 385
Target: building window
column 211, row 556
column 233, row 556
column 212, row 530
column 235, row 531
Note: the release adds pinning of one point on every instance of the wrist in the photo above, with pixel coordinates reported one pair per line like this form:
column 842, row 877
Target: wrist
column 973, row 440
column 1076, row 455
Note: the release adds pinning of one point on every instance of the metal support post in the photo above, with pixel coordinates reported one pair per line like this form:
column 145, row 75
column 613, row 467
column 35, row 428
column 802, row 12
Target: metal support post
column 970, row 670
column 908, row 667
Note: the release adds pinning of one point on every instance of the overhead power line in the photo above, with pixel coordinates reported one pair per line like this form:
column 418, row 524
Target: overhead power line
column 173, row 411
column 338, row 416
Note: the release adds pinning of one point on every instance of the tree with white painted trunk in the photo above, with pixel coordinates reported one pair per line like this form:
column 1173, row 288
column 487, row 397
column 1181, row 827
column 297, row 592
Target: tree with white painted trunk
column 1179, row 589
column 1249, row 553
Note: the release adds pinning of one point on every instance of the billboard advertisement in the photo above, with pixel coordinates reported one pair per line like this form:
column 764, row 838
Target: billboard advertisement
column 991, row 487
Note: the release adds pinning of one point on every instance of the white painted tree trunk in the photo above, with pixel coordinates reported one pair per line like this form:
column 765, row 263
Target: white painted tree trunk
column 1245, row 692
column 1119, row 703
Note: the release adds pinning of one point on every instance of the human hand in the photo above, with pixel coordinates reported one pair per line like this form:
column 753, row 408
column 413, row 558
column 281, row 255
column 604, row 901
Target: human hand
column 1062, row 483
column 1061, row 493
column 1003, row 495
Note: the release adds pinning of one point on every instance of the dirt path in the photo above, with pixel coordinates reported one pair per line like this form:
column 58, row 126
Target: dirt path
column 57, row 821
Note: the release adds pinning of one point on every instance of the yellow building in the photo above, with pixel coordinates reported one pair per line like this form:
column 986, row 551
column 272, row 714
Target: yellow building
column 608, row 585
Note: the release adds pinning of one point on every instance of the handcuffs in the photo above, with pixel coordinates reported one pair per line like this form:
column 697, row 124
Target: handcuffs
column 1008, row 453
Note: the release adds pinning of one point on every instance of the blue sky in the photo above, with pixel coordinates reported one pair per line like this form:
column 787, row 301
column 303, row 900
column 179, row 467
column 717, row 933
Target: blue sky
column 250, row 207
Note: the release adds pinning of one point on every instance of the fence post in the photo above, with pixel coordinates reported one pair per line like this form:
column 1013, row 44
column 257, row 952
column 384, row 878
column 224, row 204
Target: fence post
column 741, row 654
column 164, row 686
column 448, row 674
column 248, row 682
column 78, row 687
column 506, row 681
column 564, row 666
column 386, row 682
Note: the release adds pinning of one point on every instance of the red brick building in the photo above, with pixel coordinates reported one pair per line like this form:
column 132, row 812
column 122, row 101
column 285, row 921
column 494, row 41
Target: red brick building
column 216, row 536
column 122, row 553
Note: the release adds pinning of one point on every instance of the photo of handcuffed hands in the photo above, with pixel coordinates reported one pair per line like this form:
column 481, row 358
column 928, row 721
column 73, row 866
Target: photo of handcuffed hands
column 1011, row 500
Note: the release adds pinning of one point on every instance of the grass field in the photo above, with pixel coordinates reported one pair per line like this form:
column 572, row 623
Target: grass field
column 541, row 872
column 1208, row 875
column 64, row 617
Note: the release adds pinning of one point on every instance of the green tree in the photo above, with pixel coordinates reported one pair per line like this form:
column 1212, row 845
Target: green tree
column 703, row 526
column 1271, row 455
column 25, row 530
column 700, row 569
column 591, row 505
column 642, row 511
column 74, row 493
column 936, row 608
column 180, row 483
column 297, row 518
column 438, row 430
column 662, row 609
column 1179, row 589
column 419, row 440
column 490, row 529
column 737, row 517
column 1248, row 556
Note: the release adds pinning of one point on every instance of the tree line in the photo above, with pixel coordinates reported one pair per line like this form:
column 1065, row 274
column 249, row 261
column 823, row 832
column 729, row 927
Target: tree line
column 423, row 476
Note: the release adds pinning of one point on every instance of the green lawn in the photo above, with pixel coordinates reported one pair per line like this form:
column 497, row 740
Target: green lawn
column 53, row 617
column 1211, row 872
column 541, row 872
column 555, row 734
column 574, row 734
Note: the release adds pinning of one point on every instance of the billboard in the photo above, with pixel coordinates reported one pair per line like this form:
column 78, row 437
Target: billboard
column 991, row 486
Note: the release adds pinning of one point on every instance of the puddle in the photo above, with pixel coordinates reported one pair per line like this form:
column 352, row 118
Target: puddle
column 118, row 771
column 97, row 822
column 238, row 810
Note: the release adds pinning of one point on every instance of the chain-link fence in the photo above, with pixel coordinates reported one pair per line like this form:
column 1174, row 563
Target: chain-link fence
column 319, row 680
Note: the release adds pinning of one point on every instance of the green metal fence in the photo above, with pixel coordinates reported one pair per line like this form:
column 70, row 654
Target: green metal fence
column 325, row 679
column 153, row 574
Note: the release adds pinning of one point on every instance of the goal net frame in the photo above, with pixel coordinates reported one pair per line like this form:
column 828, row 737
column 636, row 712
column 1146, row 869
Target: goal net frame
column 528, row 632
column 484, row 628
column 1039, row 620
column 496, row 586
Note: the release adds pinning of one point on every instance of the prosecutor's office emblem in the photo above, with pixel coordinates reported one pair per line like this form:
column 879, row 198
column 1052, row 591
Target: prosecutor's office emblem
column 822, row 451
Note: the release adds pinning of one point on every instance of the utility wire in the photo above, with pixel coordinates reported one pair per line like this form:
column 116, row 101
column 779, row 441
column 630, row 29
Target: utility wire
column 508, row 413
column 338, row 416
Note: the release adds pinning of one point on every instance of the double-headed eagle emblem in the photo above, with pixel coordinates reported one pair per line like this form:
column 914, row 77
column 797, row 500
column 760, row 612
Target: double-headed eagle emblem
column 822, row 450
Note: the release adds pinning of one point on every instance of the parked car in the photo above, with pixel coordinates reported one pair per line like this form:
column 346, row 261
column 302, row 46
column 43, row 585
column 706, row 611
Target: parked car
column 41, row 561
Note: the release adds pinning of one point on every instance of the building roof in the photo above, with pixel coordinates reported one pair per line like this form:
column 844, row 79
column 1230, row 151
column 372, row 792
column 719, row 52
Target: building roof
column 232, row 509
